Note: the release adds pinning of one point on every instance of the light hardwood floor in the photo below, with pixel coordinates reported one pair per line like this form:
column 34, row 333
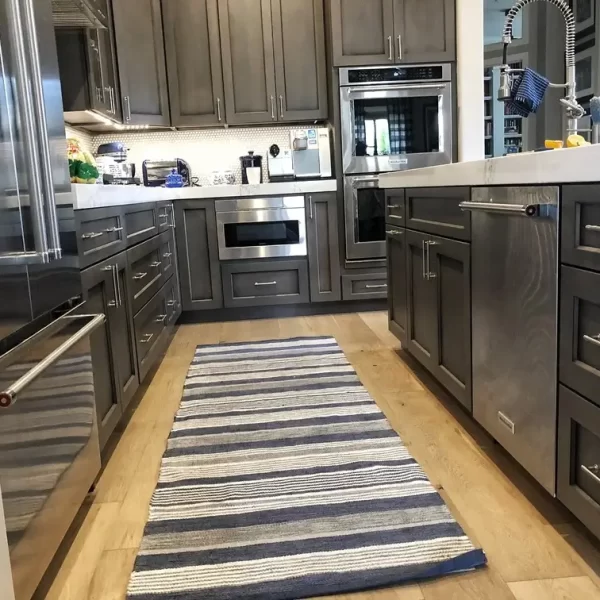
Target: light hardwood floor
column 535, row 548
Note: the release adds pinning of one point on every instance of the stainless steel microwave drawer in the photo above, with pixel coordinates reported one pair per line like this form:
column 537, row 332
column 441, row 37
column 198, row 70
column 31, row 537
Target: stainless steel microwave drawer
column 262, row 283
column 579, row 457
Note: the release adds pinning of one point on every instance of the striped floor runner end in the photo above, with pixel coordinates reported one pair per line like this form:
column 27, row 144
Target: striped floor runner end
column 282, row 479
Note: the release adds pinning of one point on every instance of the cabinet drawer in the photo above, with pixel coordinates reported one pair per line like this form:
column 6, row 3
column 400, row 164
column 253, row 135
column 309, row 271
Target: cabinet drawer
column 173, row 300
column 436, row 211
column 579, row 337
column 145, row 271
column 364, row 286
column 100, row 234
column 263, row 283
column 395, row 207
column 165, row 216
column 581, row 226
column 167, row 254
column 149, row 324
column 579, row 457
column 141, row 222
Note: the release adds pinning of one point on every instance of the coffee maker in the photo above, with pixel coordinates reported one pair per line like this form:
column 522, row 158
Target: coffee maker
column 251, row 168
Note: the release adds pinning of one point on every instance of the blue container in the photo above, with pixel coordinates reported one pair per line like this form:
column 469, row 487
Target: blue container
column 174, row 180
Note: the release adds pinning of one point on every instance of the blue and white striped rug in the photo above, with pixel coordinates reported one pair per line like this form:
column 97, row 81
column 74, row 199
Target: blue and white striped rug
column 282, row 479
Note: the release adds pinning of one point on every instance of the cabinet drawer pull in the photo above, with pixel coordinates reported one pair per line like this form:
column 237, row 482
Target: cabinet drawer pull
column 508, row 423
column 139, row 276
column 260, row 283
column 167, row 255
column 155, row 264
column 147, row 337
column 160, row 319
column 113, row 229
column 376, row 286
column 593, row 227
column 592, row 471
column 171, row 303
column 91, row 235
column 393, row 206
column 593, row 339
column 393, row 232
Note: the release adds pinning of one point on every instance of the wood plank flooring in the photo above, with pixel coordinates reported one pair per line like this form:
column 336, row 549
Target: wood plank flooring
column 536, row 549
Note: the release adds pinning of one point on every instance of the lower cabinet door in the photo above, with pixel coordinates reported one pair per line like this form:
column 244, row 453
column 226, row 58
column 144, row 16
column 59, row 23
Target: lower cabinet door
column 421, row 331
column 579, row 457
column 448, row 264
column 396, row 268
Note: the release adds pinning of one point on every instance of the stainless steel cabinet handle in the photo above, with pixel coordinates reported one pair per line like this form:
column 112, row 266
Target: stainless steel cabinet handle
column 423, row 242
column 592, row 339
column 390, row 48
column 273, row 116
column 160, row 319
column 375, row 286
column 167, row 255
column 113, row 229
column 430, row 274
column 155, row 264
column 113, row 103
column 524, row 210
column 114, row 272
column 593, row 227
column 399, row 47
column 592, row 471
column 393, row 232
column 139, row 276
column 394, row 206
column 127, row 108
column 280, row 106
column 219, row 115
column 260, row 283
column 171, row 303
column 117, row 279
column 147, row 337
column 91, row 235
column 310, row 208
column 9, row 395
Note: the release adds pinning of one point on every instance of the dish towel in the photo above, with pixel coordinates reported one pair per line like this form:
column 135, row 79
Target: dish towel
column 527, row 93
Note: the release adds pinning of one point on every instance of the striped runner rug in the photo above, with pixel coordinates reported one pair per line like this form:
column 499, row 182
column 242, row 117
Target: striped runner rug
column 282, row 479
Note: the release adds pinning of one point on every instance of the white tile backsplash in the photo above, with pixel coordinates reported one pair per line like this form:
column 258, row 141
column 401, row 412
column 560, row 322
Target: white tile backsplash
column 85, row 139
column 205, row 150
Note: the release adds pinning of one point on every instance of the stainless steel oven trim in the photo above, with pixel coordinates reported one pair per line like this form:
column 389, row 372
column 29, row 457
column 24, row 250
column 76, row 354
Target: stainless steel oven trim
column 262, row 216
column 446, row 74
column 356, row 250
column 237, row 204
column 380, row 164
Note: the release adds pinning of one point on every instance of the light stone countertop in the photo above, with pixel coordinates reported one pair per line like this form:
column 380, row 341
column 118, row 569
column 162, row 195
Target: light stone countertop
column 568, row 165
column 98, row 196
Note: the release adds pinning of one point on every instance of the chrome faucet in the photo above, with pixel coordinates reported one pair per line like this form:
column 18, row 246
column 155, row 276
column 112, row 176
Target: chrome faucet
column 573, row 109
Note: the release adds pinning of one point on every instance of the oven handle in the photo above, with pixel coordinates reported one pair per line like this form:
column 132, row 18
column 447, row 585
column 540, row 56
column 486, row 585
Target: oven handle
column 398, row 87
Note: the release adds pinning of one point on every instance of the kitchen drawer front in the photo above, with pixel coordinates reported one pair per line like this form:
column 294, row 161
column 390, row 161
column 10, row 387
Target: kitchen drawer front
column 579, row 335
column 149, row 325
column 364, row 286
column 165, row 216
column 579, row 457
column 173, row 300
column 437, row 211
column 395, row 208
column 100, row 234
column 145, row 271
column 141, row 222
column 258, row 283
column 168, row 256
column 581, row 226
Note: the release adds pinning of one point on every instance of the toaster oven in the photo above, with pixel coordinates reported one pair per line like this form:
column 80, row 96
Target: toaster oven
column 155, row 171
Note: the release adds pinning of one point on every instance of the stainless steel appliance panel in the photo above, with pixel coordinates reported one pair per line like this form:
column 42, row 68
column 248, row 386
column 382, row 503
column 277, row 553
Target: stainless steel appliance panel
column 364, row 215
column 49, row 452
column 514, row 270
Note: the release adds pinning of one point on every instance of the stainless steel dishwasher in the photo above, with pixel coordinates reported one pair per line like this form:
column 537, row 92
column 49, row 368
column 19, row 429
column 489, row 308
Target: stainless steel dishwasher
column 514, row 271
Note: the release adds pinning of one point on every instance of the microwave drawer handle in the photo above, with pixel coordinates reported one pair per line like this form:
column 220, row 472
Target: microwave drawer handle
column 9, row 396
column 261, row 283
column 399, row 87
column 524, row 210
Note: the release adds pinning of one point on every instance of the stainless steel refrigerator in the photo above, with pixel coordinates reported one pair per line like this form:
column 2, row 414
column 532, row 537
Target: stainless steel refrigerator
column 49, row 454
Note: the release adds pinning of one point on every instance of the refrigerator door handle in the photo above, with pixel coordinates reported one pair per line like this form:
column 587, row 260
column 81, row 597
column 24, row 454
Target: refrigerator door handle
column 41, row 121
column 9, row 395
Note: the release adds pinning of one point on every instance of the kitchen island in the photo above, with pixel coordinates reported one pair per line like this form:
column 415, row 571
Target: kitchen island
column 494, row 287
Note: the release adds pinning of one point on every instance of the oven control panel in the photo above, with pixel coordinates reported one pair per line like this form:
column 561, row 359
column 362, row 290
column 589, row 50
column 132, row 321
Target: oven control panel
column 404, row 74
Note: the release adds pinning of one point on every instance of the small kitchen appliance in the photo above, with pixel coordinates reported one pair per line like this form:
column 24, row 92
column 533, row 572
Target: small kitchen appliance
column 281, row 166
column 155, row 172
column 311, row 152
column 251, row 168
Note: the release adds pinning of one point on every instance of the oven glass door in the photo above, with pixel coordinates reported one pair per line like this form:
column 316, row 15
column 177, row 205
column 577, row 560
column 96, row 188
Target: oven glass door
column 365, row 218
column 396, row 127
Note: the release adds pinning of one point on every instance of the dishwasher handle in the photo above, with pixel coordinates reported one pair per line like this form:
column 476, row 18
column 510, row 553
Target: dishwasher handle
column 523, row 210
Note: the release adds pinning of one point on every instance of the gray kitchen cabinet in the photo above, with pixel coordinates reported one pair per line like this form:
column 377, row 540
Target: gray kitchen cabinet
column 380, row 32
column 364, row 284
column 198, row 254
column 141, row 61
column 323, row 247
column 300, row 64
column 194, row 70
column 362, row 32
column 248, row 62
column 396, row 267
column 425, row 30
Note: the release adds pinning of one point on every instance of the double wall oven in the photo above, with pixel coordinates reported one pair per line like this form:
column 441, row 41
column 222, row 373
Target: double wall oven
column 392, row 118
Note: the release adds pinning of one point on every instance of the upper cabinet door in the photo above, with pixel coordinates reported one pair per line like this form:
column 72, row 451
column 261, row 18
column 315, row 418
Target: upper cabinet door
column 194, row 62
column 362, row 32
column 141, row 60
column 425, row 30
column 248, row 68
column 300, row 66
